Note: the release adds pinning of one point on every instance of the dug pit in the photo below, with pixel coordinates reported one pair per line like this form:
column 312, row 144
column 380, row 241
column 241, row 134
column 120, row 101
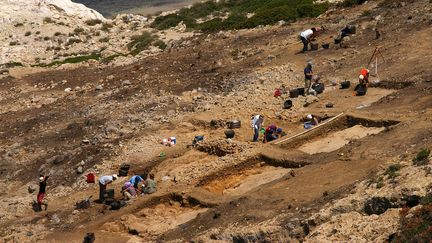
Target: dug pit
column 338, row 133
column 150, row 222
column 339, row 139
column 239, row 180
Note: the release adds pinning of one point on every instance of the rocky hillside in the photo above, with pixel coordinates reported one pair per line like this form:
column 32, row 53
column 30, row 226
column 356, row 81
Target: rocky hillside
column 362, row 176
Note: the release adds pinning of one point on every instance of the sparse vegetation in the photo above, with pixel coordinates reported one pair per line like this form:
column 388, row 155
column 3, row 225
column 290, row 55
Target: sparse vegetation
column 72, row 41
column 351, row 3
column 140, row 42
column 48, row 20
column 417, row 227
column 392, row 171
column 57, row 34
column 264, row 13
column 93, row 22
column 46, row 38
column 28, row 33
column 13, row 64
column 13, row 43
column 106, row 27
column 78, row 59
column 366, row 13
column 422, row 157
column 104, row 39
column 160, row 44
column 18, row 24
column 78, row 30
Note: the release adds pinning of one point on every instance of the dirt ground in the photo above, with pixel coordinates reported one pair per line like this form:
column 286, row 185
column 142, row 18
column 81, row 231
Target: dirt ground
column 259, row 191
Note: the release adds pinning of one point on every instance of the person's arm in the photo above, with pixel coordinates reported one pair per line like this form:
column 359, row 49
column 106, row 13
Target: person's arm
column 316, row 121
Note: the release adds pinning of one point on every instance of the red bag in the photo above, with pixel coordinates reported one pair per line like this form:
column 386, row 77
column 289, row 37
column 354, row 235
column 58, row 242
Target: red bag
column 277, row 93
column 90, row 178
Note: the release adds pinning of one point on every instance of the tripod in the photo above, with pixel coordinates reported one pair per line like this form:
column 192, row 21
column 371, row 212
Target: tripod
column 377, row 53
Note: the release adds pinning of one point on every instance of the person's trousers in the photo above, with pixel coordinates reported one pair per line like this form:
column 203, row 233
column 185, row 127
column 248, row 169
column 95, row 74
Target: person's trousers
column 102, row 189
column 305, row 43
column 308, row 85
column 256, row 134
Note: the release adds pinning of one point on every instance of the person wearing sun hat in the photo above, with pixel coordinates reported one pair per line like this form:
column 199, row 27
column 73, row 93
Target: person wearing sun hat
column 103, row 182
column 42, row 190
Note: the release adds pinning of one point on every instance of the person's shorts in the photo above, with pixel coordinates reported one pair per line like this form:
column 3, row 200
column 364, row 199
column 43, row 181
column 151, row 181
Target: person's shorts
column 41, row 198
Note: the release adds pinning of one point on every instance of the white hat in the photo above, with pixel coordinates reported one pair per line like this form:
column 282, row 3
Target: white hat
column 41, row 178
column 361, row 77
column 114, row 177
column 309, row 116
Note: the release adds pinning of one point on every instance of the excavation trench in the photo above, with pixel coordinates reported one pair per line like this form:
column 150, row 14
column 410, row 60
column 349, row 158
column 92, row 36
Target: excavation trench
column 337, row 134
column 244, row 177
column 159, row 215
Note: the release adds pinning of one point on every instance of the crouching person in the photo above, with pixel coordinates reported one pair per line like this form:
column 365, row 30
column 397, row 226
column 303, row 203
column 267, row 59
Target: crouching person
column 128, row 190
column 150, row 185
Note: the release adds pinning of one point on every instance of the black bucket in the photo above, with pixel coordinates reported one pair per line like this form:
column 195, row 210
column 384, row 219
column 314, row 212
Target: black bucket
column 326, row 46
column 345, row 84
column 287, row 104
column 109, row 193
column 234, row 124
column 229, row 133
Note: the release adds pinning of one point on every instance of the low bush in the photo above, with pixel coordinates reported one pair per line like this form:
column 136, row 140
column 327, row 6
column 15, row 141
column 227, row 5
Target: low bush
column 351, row 3
column 392, row 171
column 106, row 27
column 140, row 42
column 93, row 22
column 264, row 13
column 28, row 33
column 160, row 44
column 422, row 157
column 93, row 56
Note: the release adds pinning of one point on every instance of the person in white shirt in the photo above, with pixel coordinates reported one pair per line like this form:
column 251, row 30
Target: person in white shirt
column 306, row 36
column 103, row 182
column 257, row 122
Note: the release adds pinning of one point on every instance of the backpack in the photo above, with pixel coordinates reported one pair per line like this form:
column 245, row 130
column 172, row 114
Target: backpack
column 318, row 87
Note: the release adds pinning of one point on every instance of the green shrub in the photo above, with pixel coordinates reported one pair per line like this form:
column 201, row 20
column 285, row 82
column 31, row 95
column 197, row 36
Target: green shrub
column 392, row 170
column 366, row 13
column 93, row 56
column 106, row 27
column 160, row 44
column 351, row 3
column 422, row 157
column 48, row 20
column 104, row 39
column 78, row 30
column 265, row 13
column 140, row 42
column 13, row 64
column 93, row 22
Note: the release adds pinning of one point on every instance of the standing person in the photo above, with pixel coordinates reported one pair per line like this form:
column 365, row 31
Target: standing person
column 257, row 122
column 135, row 180
column 41, row 193
column 149, row 185
column 306, row 36
column 103, row 182
column 308, row 73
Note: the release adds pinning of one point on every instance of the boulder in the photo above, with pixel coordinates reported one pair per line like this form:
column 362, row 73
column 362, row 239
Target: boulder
column 377, row 205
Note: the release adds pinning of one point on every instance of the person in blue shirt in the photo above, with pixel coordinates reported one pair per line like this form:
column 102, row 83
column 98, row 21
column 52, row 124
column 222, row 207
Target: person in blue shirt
column 135, row 180
column 308, row 72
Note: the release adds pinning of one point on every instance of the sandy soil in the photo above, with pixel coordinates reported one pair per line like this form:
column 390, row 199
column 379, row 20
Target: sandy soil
column 177, row 93
column 339, row 139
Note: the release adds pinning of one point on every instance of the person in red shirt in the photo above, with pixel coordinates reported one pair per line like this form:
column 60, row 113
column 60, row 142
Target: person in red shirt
column 42, row 190
column 364, row 77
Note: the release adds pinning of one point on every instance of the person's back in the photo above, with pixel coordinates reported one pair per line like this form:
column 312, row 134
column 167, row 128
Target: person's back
column 150, row 185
